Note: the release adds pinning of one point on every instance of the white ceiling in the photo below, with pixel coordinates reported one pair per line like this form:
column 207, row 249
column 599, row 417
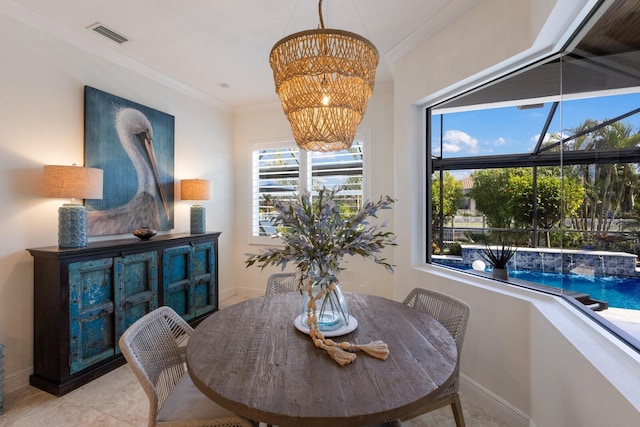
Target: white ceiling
column 203, row 45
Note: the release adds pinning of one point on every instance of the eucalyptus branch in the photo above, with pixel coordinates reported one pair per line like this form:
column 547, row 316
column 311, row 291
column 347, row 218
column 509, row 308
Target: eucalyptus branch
column 316, row 235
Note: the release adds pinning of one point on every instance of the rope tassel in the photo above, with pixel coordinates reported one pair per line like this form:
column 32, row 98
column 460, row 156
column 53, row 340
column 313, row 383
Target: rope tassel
column 377, row 349
column 344, row 352
column 339, row 355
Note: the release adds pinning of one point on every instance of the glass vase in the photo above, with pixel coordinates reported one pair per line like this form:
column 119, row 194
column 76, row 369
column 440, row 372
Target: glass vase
column 332, row 311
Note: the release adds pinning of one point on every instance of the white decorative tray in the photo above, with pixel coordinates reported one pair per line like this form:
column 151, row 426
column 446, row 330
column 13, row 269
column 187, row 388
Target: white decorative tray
column 351, row 326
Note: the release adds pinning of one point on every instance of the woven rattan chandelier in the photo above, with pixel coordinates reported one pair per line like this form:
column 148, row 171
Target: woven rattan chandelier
column 324, row 78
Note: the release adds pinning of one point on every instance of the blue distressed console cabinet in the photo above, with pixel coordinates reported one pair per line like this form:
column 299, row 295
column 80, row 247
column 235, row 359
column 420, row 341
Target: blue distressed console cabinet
column 85, row 298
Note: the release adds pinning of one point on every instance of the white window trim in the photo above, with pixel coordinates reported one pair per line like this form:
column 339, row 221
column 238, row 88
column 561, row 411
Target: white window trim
column 364, row 136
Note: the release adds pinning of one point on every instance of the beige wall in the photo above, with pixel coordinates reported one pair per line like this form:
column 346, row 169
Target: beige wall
column 42, row 111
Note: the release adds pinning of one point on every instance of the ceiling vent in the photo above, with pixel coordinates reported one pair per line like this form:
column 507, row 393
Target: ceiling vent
column 108, row 33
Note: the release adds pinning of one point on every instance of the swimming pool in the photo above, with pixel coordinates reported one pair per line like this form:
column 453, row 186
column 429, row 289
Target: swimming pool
column 621, row 292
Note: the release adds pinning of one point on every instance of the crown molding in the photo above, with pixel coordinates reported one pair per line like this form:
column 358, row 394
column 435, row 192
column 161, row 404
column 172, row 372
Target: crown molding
column 40, row 23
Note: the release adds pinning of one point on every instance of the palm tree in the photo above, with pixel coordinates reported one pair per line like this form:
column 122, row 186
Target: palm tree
column 608, row 187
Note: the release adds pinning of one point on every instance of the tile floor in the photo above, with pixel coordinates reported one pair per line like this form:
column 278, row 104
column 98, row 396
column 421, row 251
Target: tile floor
column 116, row 399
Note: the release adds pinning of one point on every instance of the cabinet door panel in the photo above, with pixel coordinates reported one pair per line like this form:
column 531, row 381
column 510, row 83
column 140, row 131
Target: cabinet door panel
column 91, row 313
column 204, row 278
column 136, row 288
column 177, row 270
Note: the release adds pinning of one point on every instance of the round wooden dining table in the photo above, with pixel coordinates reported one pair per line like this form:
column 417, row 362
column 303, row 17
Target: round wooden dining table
column 252, row 360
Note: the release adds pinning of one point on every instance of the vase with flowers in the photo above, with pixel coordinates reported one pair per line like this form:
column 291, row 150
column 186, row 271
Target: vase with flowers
column 316, row 235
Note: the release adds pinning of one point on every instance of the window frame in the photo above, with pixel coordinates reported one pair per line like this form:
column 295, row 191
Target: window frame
column 433, row 165
column 304, row 176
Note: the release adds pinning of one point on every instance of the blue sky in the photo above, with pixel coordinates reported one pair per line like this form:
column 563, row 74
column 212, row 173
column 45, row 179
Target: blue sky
column 508, row 130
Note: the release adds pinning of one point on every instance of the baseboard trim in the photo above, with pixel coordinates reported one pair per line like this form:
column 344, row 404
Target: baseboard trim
column 225, row 294
column 17, row 381
column 493, row 404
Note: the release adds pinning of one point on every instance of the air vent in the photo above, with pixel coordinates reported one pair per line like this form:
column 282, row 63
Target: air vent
column 110, row 34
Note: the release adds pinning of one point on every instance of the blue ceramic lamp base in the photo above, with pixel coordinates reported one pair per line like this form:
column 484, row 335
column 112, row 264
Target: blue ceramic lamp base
column 198, row 219
column 72, row 226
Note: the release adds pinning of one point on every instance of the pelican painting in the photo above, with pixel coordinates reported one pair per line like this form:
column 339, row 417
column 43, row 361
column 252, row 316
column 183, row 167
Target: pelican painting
column 136, row 182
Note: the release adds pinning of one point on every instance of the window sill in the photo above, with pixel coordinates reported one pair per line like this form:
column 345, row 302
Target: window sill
column 265, row 241
column 534, row 294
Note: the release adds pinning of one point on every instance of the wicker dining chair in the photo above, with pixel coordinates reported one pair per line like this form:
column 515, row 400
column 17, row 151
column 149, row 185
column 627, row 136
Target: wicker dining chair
column 155, row 347
column 453, row 314
column 281, row 282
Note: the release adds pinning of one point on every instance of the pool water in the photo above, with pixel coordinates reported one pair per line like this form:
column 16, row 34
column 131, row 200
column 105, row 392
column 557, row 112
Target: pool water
column 621, row 292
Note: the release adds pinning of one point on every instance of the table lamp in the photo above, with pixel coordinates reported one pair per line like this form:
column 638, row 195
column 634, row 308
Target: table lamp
column 196, row 189
column 74, row 182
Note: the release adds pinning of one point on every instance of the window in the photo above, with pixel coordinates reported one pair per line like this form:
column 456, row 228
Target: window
column 281, row 170
column 547, row 160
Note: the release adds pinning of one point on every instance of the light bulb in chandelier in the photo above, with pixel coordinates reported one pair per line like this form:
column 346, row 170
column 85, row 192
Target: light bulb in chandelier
column 326, row 99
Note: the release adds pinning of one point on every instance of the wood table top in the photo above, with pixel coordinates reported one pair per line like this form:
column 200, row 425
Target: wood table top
column 250, row 359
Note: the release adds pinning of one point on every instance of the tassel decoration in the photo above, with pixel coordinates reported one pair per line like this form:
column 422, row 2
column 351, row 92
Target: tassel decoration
column 344, row 352
column 377, row 349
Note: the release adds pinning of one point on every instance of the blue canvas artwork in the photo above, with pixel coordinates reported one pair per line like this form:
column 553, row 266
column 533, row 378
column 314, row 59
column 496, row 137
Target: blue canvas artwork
column 134, row 146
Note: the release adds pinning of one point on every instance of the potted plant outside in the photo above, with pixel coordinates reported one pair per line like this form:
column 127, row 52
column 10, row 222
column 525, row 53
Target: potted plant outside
column 499, row 256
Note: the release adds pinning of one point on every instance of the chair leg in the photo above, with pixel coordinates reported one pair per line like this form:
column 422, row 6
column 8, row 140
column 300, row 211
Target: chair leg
column 457, row 410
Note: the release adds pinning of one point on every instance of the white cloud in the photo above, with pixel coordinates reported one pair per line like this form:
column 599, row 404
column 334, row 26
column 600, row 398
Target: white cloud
column 500, row 141
column 455, row 140
column 536, row 137
column 450, row 148
column 548, row 137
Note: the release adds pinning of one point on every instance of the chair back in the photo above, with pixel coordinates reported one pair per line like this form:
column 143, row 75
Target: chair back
column 155, row 348
column 281, row 282
column 451, row 312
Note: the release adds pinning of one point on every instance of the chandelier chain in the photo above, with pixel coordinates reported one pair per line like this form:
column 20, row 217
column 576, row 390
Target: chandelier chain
column 320, row 14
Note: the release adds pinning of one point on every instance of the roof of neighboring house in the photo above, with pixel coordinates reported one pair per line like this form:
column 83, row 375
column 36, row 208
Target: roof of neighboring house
column 467, row 183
